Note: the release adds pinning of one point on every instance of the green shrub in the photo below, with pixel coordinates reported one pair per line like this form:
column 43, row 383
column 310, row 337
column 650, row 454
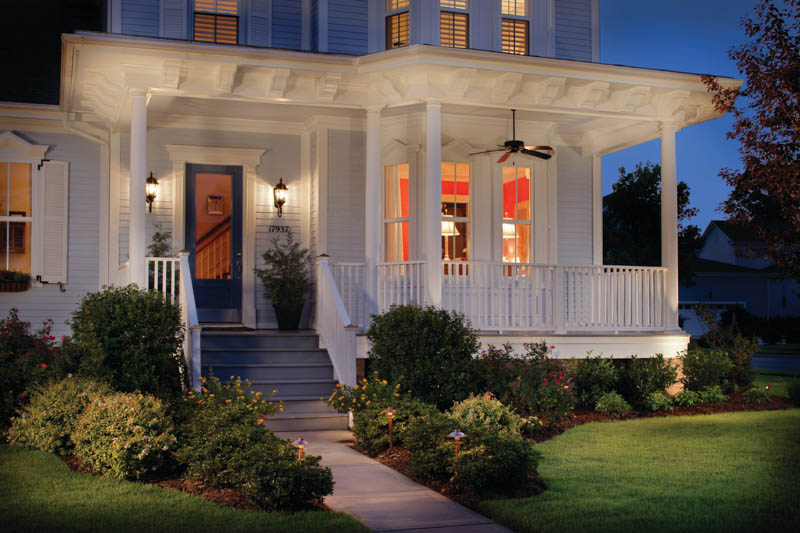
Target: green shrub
column 225, row 445
column 724, row 335
column 645, row 376
column 371, row 429
column 431, row 450
column 658, row 401
column 592, row 377
column 756, row 395
column 705, row 368
column 612, row 403
column 427, row 350
column 131, row 337
column 48, row 421
column 369, row 392
column 26, row 359
column 125, row 435
column 794, row 392
column 533, row 384
column 687, row 398
column 712, row 395
column 488, row 412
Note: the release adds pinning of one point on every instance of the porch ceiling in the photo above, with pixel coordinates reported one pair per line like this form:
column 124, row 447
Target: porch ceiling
column 599, row 108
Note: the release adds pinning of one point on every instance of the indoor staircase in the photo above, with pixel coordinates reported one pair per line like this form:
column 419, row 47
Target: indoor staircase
column 291, row 363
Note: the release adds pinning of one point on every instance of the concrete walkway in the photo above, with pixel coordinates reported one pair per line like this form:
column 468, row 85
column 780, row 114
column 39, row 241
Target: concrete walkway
column 383, row 499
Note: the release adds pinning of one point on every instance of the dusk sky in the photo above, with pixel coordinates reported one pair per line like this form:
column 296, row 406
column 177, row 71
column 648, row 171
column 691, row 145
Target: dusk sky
column 688, row 36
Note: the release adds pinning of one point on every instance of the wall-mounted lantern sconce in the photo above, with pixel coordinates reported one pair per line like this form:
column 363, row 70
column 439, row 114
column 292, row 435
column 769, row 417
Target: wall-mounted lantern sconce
column 280, row 192
column 150, row 191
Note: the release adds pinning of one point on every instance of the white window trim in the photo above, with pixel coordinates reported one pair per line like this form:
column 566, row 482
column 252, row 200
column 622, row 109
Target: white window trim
column 15, row 149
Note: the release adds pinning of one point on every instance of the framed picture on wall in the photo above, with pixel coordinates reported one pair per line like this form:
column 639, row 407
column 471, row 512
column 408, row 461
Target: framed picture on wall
column 215, row 205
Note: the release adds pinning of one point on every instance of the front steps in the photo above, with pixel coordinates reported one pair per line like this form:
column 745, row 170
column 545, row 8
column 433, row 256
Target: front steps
column 290, row 363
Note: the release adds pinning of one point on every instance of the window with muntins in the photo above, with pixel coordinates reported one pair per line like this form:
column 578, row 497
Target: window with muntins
column 455, row 211
column 16, row 216
column 397, row 30
column 518, row 8
column 514, row 36
column 516, row 222
column 216, row 21
column 454, row 29
column 396, row 213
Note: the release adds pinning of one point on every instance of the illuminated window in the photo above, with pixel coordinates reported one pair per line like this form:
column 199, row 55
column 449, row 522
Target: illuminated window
column 216, row 21
column 392, row 5
column 455, row 211
column 516, row 223
column 454, row 4
column 16, row 217
column 454, row 29
column 517, row 8
column 397, row 30
column 396, row 213
column 514, row 36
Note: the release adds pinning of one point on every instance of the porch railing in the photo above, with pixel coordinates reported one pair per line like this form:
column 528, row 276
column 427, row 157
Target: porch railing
column 163, row 276
column 350, row 278
column 400, row 283
column 337, row 331
column 192, row 336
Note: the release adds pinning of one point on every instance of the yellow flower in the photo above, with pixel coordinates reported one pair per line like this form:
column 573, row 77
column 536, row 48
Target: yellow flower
column 227, row 401
column 260, row 421
column 211, row 395
column 368, row 401
column 397, row 394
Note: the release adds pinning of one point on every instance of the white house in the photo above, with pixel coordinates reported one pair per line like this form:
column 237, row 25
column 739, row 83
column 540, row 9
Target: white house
column 373, row 114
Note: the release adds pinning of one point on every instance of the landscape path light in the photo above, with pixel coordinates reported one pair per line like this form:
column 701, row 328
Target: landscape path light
column 457, row 435
column 300, row 444
column 390, row 412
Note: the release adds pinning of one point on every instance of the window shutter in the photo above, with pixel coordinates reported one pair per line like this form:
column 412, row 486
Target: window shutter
column 258, row 22
column 54, row 221
column 173, row 19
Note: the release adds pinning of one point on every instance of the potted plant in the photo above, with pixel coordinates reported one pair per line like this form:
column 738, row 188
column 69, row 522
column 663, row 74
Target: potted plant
column 287, row 279
column 13, row 281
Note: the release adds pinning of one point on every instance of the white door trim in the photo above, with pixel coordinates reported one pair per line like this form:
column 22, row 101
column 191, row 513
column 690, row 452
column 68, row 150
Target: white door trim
column 248, row 159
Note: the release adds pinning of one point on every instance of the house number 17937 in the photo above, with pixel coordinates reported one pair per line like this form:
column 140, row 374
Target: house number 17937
column 279, row 229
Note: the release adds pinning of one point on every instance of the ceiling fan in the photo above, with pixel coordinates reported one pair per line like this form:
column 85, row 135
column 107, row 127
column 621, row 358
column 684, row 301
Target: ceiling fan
column 515, row 146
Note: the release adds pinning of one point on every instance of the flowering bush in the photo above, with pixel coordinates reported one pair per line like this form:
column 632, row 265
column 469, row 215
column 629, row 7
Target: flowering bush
column 369, row 392
column 224, row 444
column 125, row 435
column 47, row 422
column 533, row 384
column 26, row 358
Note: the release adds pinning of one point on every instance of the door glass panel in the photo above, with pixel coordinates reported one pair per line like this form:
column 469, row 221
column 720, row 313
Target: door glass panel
column 397, row 241
column 213, row 210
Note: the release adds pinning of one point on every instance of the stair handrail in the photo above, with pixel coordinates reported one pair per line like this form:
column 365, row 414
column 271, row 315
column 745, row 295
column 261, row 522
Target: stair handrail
column 191, row 337
column 336, row 329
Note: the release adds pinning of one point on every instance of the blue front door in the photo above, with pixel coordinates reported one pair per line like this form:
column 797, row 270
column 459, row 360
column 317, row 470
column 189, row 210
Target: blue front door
column 214, row 240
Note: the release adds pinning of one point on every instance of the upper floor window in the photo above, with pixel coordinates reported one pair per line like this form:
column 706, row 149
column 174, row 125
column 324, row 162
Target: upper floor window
column 216, row 21
column 454, row 26
column 514, row 36
column 397, row 24
column 455, row 211
column 518, row 8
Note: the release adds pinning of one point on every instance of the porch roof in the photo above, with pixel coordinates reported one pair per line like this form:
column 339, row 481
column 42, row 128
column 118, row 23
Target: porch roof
column 600, row 108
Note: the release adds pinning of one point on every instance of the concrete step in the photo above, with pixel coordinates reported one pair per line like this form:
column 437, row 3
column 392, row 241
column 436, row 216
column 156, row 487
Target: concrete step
column 306, row 405
column 305, row 340
column 311, row 388
column 299, row 422
column 221, row 356
column 271, row 371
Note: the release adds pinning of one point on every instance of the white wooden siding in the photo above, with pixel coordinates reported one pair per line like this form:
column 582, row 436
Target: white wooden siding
column 348, row 26
column 83, row 264
column 574, row 207
column 573, row 29
column 287, row 20
column 140, row 17
column 314, row 197
column 346, row 168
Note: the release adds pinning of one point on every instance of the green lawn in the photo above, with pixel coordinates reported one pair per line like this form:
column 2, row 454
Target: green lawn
column 727, row 472
column 39, row 493
column 777, row 380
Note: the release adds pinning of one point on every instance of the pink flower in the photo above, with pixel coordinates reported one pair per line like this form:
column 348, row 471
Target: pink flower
column 44, row 365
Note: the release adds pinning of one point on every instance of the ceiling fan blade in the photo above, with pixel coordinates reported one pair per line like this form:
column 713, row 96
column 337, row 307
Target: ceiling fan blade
column 488, row 151
column 534, row 153
column 540, row 147
column 502, row 159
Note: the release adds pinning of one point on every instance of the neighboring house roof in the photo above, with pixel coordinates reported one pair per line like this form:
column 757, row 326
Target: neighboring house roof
column 708, row 266
column 736, row 232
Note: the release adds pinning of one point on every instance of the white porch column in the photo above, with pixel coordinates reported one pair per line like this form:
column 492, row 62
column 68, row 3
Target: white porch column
column 432, row 228
column 373, row 208
column 669, row 223
column 138, row 175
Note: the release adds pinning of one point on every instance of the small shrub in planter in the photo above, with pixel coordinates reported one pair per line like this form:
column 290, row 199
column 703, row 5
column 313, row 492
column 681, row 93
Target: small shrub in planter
column 371, row 429
column 286, row 277
column 592, row 377
column 125, row 435
column 712, row 395
column 645, row 376
column 612, row 403
column 427, row 350
column 687, row 398
column 756, row 395
column 658, row 401
column 48, row 421
column 131, row 337
column 705, row 367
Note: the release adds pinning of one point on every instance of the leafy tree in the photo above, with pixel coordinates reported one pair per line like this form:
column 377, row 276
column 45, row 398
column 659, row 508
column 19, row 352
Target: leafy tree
column 632, row 221
column 765, row 193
